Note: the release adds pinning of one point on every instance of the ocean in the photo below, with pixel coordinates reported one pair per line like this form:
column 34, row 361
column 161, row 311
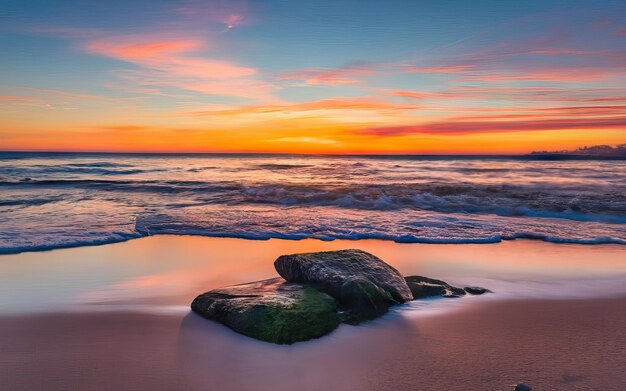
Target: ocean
column 56, row 200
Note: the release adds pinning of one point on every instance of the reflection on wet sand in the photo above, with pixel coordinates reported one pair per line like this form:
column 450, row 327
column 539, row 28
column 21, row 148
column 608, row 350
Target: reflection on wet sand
column 171, row 270
column 117, row 317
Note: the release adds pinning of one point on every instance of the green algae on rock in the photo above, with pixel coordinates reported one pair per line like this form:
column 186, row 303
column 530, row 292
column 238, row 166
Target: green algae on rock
column 271, row 310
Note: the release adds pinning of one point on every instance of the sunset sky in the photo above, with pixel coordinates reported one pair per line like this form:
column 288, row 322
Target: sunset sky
column 312, row 76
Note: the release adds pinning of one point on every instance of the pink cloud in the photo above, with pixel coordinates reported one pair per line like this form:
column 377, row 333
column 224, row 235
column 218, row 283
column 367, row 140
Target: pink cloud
column 413, row 94
column 20, row 102
column 535, row 94
column 451, row 69
column 327, row 76
column 571, row 52
column 494, row 68
column 555, row 74
column 170, row 56
column 552, row 55
column 176, row 62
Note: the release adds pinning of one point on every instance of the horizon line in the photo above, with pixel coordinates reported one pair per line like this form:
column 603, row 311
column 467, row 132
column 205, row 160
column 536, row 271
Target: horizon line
column 262, row 153
column 525, row 156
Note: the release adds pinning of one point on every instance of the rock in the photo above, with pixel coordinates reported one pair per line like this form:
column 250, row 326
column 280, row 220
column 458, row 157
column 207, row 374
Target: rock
column 422, row 287
column 271, row 310
column 364, row 285
column 476, row 290
column 522, row 387
column 318, row 291
column 363, row 300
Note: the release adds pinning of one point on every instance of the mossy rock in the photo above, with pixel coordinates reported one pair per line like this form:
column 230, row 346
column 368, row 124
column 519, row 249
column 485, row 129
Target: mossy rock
column 318, row 291
column 364, row 300
column 271, row 310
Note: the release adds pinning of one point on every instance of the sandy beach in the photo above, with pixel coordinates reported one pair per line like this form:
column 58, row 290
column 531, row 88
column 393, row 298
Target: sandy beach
column 551, row 344
column 117, row 317
column 240, row 195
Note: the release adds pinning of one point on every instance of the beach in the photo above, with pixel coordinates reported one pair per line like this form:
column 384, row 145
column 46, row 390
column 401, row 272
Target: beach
column 313, row 196
column 117, row 317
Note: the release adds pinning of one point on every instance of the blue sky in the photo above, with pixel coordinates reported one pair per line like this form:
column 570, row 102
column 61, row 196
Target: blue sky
column 443, row 58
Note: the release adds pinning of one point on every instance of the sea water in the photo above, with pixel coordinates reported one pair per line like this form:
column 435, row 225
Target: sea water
column 55, row 200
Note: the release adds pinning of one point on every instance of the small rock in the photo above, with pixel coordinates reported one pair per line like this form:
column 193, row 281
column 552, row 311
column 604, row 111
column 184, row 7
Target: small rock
column 422, row 287
column 522, row 387
column 476, row 290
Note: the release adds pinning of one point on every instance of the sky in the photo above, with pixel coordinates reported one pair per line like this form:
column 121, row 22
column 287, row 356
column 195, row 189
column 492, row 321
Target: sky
column 312, row 76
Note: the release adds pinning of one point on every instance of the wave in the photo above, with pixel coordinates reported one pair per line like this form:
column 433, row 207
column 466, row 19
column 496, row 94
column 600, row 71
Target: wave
column 275, row 166
column 537, row 201
column 34, row 201
column 117, row 238
column 502, row 200
column 98, row 168
column 113, row 238
column 89, row 227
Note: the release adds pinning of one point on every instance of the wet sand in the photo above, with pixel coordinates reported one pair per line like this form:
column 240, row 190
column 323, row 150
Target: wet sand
column 116, row 317
column 551, row 345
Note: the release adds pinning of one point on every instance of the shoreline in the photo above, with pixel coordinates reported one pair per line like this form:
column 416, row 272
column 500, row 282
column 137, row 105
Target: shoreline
column 485, row 241
column 176, row 268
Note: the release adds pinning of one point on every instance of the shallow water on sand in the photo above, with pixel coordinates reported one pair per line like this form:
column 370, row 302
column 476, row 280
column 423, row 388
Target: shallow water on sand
column 165, row 272
column 117, row 317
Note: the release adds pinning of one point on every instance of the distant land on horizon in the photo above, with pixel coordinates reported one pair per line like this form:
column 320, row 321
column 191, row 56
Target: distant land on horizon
column 592, row 152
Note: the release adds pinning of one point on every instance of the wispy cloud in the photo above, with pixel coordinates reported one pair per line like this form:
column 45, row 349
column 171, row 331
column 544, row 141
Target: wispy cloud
column 327, row 76
column 341, row 105
column 445, row 69
column 175, row 61
column 456, row 127
column 306, row 140
column 25, row 98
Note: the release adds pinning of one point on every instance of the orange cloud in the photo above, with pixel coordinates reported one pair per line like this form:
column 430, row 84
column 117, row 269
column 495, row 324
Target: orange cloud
column 10, row 99
column 455, row 127
column 324, row 105
column 306, row 140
